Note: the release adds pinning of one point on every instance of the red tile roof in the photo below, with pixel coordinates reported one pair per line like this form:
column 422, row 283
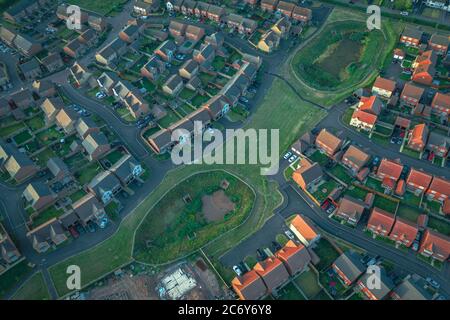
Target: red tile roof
column 442, row 100
column 402, row 122
column 272, row 271
column 399, row 52
column 381, row 220
column 370, row 105
column 446, row 206
column 412, row 91
column 249, row 286
column 296, row 257
column 356, row 156
column 365, row 117
column 436, row 243
column 404, row 230
column 419, row 134
column 385, row 84
column 329, row 140
column 401, row 187
column 388, row 182
column 440, row 185
column 419, row 178
column 390, row 168
column 304, row 228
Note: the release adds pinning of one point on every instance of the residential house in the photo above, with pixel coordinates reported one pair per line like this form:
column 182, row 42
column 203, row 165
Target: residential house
column 439, row 43
column 251, row 3
column 418, row 136
column 59, row 169
column 355, row 159
column 96, row 145
column 328, row 143
column 144, row 8
column 411, row 36
column 46, row 235
column 375, row 292
column 435, row 245
column 269, row 5
column 66, row 119
column 8, row 250
column 166, row 51
column 399, row 54
column 305, row 231
column 215, row 13
column 188, row 7
column 153, row 68
column 308, row 176
column 173, row 85
column 424, row 68
column 82, row 75
column 122, row 88
column 389, row 172
column 8, row 35
column 88, row 38
column 202, row 116
column 303, row 144
column 302, row 14
column 438, row 144
column 38, row 195
column 269, row 42
column 439, row 189
column 111, row 52
column 53, row 62
column 44, row 88
column 63, row 13
column 27, row 45
column 363, row 120
column 75, row 49
column 348, row 267
column 249, row 286
column 194, row 84
column 17, row 12
column 410, row 290
column 234, row 21
column 205, row 55
column 51, row 107
column 273, row 273
column 404, row 232
column 350, row 210
column 161, row 141
column 130, row 33
column 181, row 131
column 136, row 104
column 372, row 105
column 107, row 81
column 201, row 10
column 380, row 222
column 105, row 186
column 17, row 164
column 282, row 27
column 194, row 33
column 383, row 87
column 85, row 127
column 286, row 8
column 97, row 23
column 418, row 181
column 177, row 29
column 127, row 169
column 294, row 257
column 411, row 95
column 189, row 69
column 218, row 106
column 30, row 69
column 88, row 208
column 441, row 103
column 22, row 99
column 248, row 26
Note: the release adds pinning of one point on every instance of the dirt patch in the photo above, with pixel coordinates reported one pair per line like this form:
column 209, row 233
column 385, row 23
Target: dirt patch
column 216, row 206
column 140, row 287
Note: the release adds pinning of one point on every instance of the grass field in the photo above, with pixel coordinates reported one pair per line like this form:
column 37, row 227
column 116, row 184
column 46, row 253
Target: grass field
column 174, row 228
column 308, row 283
column 101, row 7
column 9, row 279
column 288, row 113
column 34, row 289
column 327, row 254
column 290, row 292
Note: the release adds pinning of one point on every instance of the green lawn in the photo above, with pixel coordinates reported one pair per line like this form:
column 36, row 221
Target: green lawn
column 46, row 215
column 385, row 204
column 374, row 184
column 324, row 190
column 50, row 135
column 34, row 289
column 342, row 174
column 101, row 7
column 408, row 213
column 327, row 254
column 439, row 225
column 85, row 175
column 35, row 123
column 356, row 192
column 114, row 156
column 8, row 130
column 22, row 137
column 290, row 292
column 411, row 199
column 44, row 155
column 11, row 277
column 319, row 157
column 77, row 195
column 308, row 283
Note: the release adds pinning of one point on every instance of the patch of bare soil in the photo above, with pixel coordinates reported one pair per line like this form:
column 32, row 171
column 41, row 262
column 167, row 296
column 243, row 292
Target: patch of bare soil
column 216, row 206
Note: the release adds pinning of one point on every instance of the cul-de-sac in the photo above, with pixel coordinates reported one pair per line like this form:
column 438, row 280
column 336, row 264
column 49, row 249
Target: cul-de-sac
column 97, row 98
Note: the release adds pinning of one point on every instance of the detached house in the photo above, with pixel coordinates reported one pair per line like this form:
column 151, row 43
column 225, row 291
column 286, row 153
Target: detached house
column 153, row 68
column 410, row 290
column 44, row 88
column 59, row 169
column 136, row 104
column 51, row 107
column 439, row 43
column 96, row 145
column 38, row 195
column 31, row 69
column 111, row 51
column 173, row 85
column 107, row 82
column 205, row 55
column 194, row 33
column 435, row 245
column 380, row 222
column 424, row 68
column 22, row 99
column 177, row 29
column 308, row 176
column 383, row 87
column 82, row 75
column 438, row 144
column 411, row 36
column 294, row 257
column 282, row 27
column 372, row 105
column 105, row 186
column 355, row 159
column 27, row 46
column 404, row 232
column 249, row 286
column 130, row 33
column 304, row 230
column 86, row 126
column 374, row 293
column 97, row 23
column 8, row 250
column 75, row 48
column 418, row 181
column 441, row 103
column 166, row 50
column 269, row 42
column 53, row 62
column 411, row 95
column 348, row 267
column 16, row 163
column 46, row 235
column 439, row 190
column 389, row 172
column 350, row 210
column 418, row 136
column 88, row 208
column 189, row 69
column 66, row 119
column 328, row 143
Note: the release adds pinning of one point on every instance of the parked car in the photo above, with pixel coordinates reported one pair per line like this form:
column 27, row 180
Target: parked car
column 243, row 99
column 73, row 232
column 433, row 283
column 415, row 245
column 287, row 155
column 91, row 227
column 292, row 158
column 404, row 13
column 289, row 234
column 237, row 270
column 103, row 222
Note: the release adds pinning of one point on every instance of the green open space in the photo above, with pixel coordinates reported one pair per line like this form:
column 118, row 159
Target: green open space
column 385, row 204
column 11, row 277
column 327, row 254
column 342, row 174
column 324, row 190
column 100, row 7
column 50, row 135
column 22, row 137
column 8, row 130
column 408, row 213
column 35, row 123
column 33, row 289
column 47, row 215
column 439, row 225
column 319, row 157
column 86, row 174
column 356, row 192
